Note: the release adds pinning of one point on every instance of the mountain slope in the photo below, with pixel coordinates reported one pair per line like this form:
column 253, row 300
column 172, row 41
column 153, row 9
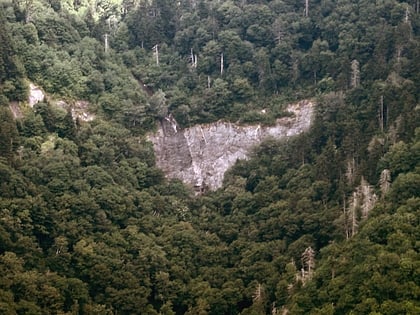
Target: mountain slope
column 323, row 223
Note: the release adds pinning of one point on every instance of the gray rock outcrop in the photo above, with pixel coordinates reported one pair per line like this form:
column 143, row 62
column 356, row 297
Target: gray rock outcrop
column 35, row 95
column 200, row 155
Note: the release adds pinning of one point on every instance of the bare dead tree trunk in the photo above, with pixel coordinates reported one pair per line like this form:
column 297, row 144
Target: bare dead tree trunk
column 346, row 218
column 368, row 197
column 258, row 293
column 221, row 64
column 106, row 43
column 308, row 264
column 355, row 74
column 381, row 113
column 353, row 213
column 385, row 182
column 156, row 53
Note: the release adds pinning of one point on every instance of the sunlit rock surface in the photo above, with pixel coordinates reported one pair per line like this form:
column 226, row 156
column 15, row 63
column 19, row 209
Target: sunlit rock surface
column 35, row 95
column 200, row 155
column 79, row 109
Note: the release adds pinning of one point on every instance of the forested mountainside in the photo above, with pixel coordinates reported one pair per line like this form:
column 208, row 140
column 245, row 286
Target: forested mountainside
column 326, row 222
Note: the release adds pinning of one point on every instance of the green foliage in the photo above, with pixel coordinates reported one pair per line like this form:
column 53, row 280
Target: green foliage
column 12, row 72
column 89, row 225
column 8, row 134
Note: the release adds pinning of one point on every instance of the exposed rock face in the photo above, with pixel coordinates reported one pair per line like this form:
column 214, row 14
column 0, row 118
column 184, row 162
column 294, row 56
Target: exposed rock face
column 79, row 109
column 200, row 155
column 35, row 95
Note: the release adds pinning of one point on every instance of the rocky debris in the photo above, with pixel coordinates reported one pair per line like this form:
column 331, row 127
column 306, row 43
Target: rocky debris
column 79, row 109
column 200, row 155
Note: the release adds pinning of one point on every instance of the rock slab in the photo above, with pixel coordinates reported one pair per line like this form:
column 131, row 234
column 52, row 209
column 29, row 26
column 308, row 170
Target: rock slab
column 200, row 155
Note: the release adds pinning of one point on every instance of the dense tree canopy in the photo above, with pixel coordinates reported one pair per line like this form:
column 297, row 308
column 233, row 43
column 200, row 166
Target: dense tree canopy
column 324, row 223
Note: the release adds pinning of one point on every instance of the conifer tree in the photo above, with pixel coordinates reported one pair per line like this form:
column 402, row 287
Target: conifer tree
column 8, row 133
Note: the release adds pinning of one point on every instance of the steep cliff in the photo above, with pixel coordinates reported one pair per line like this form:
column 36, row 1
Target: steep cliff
column 200, row 155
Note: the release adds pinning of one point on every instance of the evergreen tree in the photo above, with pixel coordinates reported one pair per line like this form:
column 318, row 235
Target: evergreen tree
column 8, row 134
